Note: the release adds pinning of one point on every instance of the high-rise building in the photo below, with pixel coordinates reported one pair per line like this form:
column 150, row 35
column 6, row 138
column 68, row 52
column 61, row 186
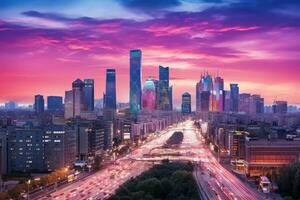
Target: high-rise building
column 234, row 97
column 227, row 101
column 88, row 91
column 164, row 74
column 256, row 104
column 79, row 104
column 149, row 95
column 204, row 85
column 205, row 99
column 244, row 103
column 186, row 105
column 54, row 103
column 164, row 91
column 69, row 112
column 218, row 95
column 110, row 95
column 280, row 107
column 39, row 104
column 135, row 95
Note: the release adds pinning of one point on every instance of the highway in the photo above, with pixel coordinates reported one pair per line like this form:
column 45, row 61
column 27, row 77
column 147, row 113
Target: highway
column 212, row 178
column 102, row 184
column 214, row 181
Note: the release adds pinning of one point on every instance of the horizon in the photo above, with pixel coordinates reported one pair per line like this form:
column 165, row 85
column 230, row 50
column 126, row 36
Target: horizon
column 43, row 48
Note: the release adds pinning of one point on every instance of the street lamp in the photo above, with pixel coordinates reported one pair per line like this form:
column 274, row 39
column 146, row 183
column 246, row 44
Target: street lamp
column 28, row 183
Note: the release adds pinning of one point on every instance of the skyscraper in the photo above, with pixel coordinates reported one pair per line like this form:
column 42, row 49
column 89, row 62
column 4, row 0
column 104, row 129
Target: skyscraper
column 54, row 103
column 79, row 104
column 186, row 105
column 88, row 91
column 39, row 103
column 110, row 95
column 164, row 74
column 234, row 97
column 244, row 103
column 164, row 92
column 69, row 113
column 205, row 86
column 149, row 95
column 135, row 95
column 256, row 104
column 218, row 95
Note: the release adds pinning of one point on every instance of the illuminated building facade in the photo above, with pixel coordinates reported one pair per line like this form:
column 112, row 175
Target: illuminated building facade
column 263, row 156
column 234, row 97
column 186, row 105
column 135, row 96
column 149, row 95
column 110, row 95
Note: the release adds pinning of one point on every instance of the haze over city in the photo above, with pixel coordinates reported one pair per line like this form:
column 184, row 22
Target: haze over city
column 46, row 45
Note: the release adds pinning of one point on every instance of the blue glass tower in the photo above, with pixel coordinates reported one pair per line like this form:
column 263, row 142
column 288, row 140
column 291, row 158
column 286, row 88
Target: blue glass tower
column 110, row 96
column 39, row 103
column 135, row 96
column 88, row 92
column 234, row 97
column 164, row 74
column 54, row 103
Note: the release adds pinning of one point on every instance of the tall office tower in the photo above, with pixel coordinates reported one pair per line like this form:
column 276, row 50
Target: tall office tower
column 135, row 95
column 149, row 95
column 244, row 103
column 164, row 95
column 227, row 101
column 54, row 103
column 164, row 74
column 205, row 99
column 79, row 104
column 256, row 104
column 186, row 105
column 110, row 95
column 69, row 104
column 218, row 97
column 280, row 107
column 204, row 85
column 88, row 92
column 39, row 104
column 234, row 97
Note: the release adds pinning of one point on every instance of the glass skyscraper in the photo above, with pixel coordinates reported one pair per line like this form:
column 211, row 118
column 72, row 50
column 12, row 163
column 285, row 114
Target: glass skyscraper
column 54, row 103
column 164, row 74
column 110, row 95
column 135, row 96
column 164, row 94
column 234, row 97
column 186, row 105
column 149, row 95
column 39, row 103
column 79, row 104
column 88, row 92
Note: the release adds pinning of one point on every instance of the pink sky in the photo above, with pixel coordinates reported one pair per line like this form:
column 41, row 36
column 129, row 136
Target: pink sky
column 44, row 52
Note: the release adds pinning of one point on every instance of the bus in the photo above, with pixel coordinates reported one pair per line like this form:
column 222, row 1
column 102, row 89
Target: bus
column 265, row 184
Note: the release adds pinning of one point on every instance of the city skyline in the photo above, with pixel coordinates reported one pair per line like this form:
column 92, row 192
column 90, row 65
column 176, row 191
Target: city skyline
column 39, row 40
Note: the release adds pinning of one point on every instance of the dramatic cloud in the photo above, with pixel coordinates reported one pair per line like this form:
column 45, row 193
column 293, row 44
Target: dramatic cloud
column 255, row 43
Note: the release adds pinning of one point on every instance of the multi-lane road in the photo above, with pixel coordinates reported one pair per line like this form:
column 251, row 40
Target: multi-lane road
column 103, row 183
column 214, row 181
